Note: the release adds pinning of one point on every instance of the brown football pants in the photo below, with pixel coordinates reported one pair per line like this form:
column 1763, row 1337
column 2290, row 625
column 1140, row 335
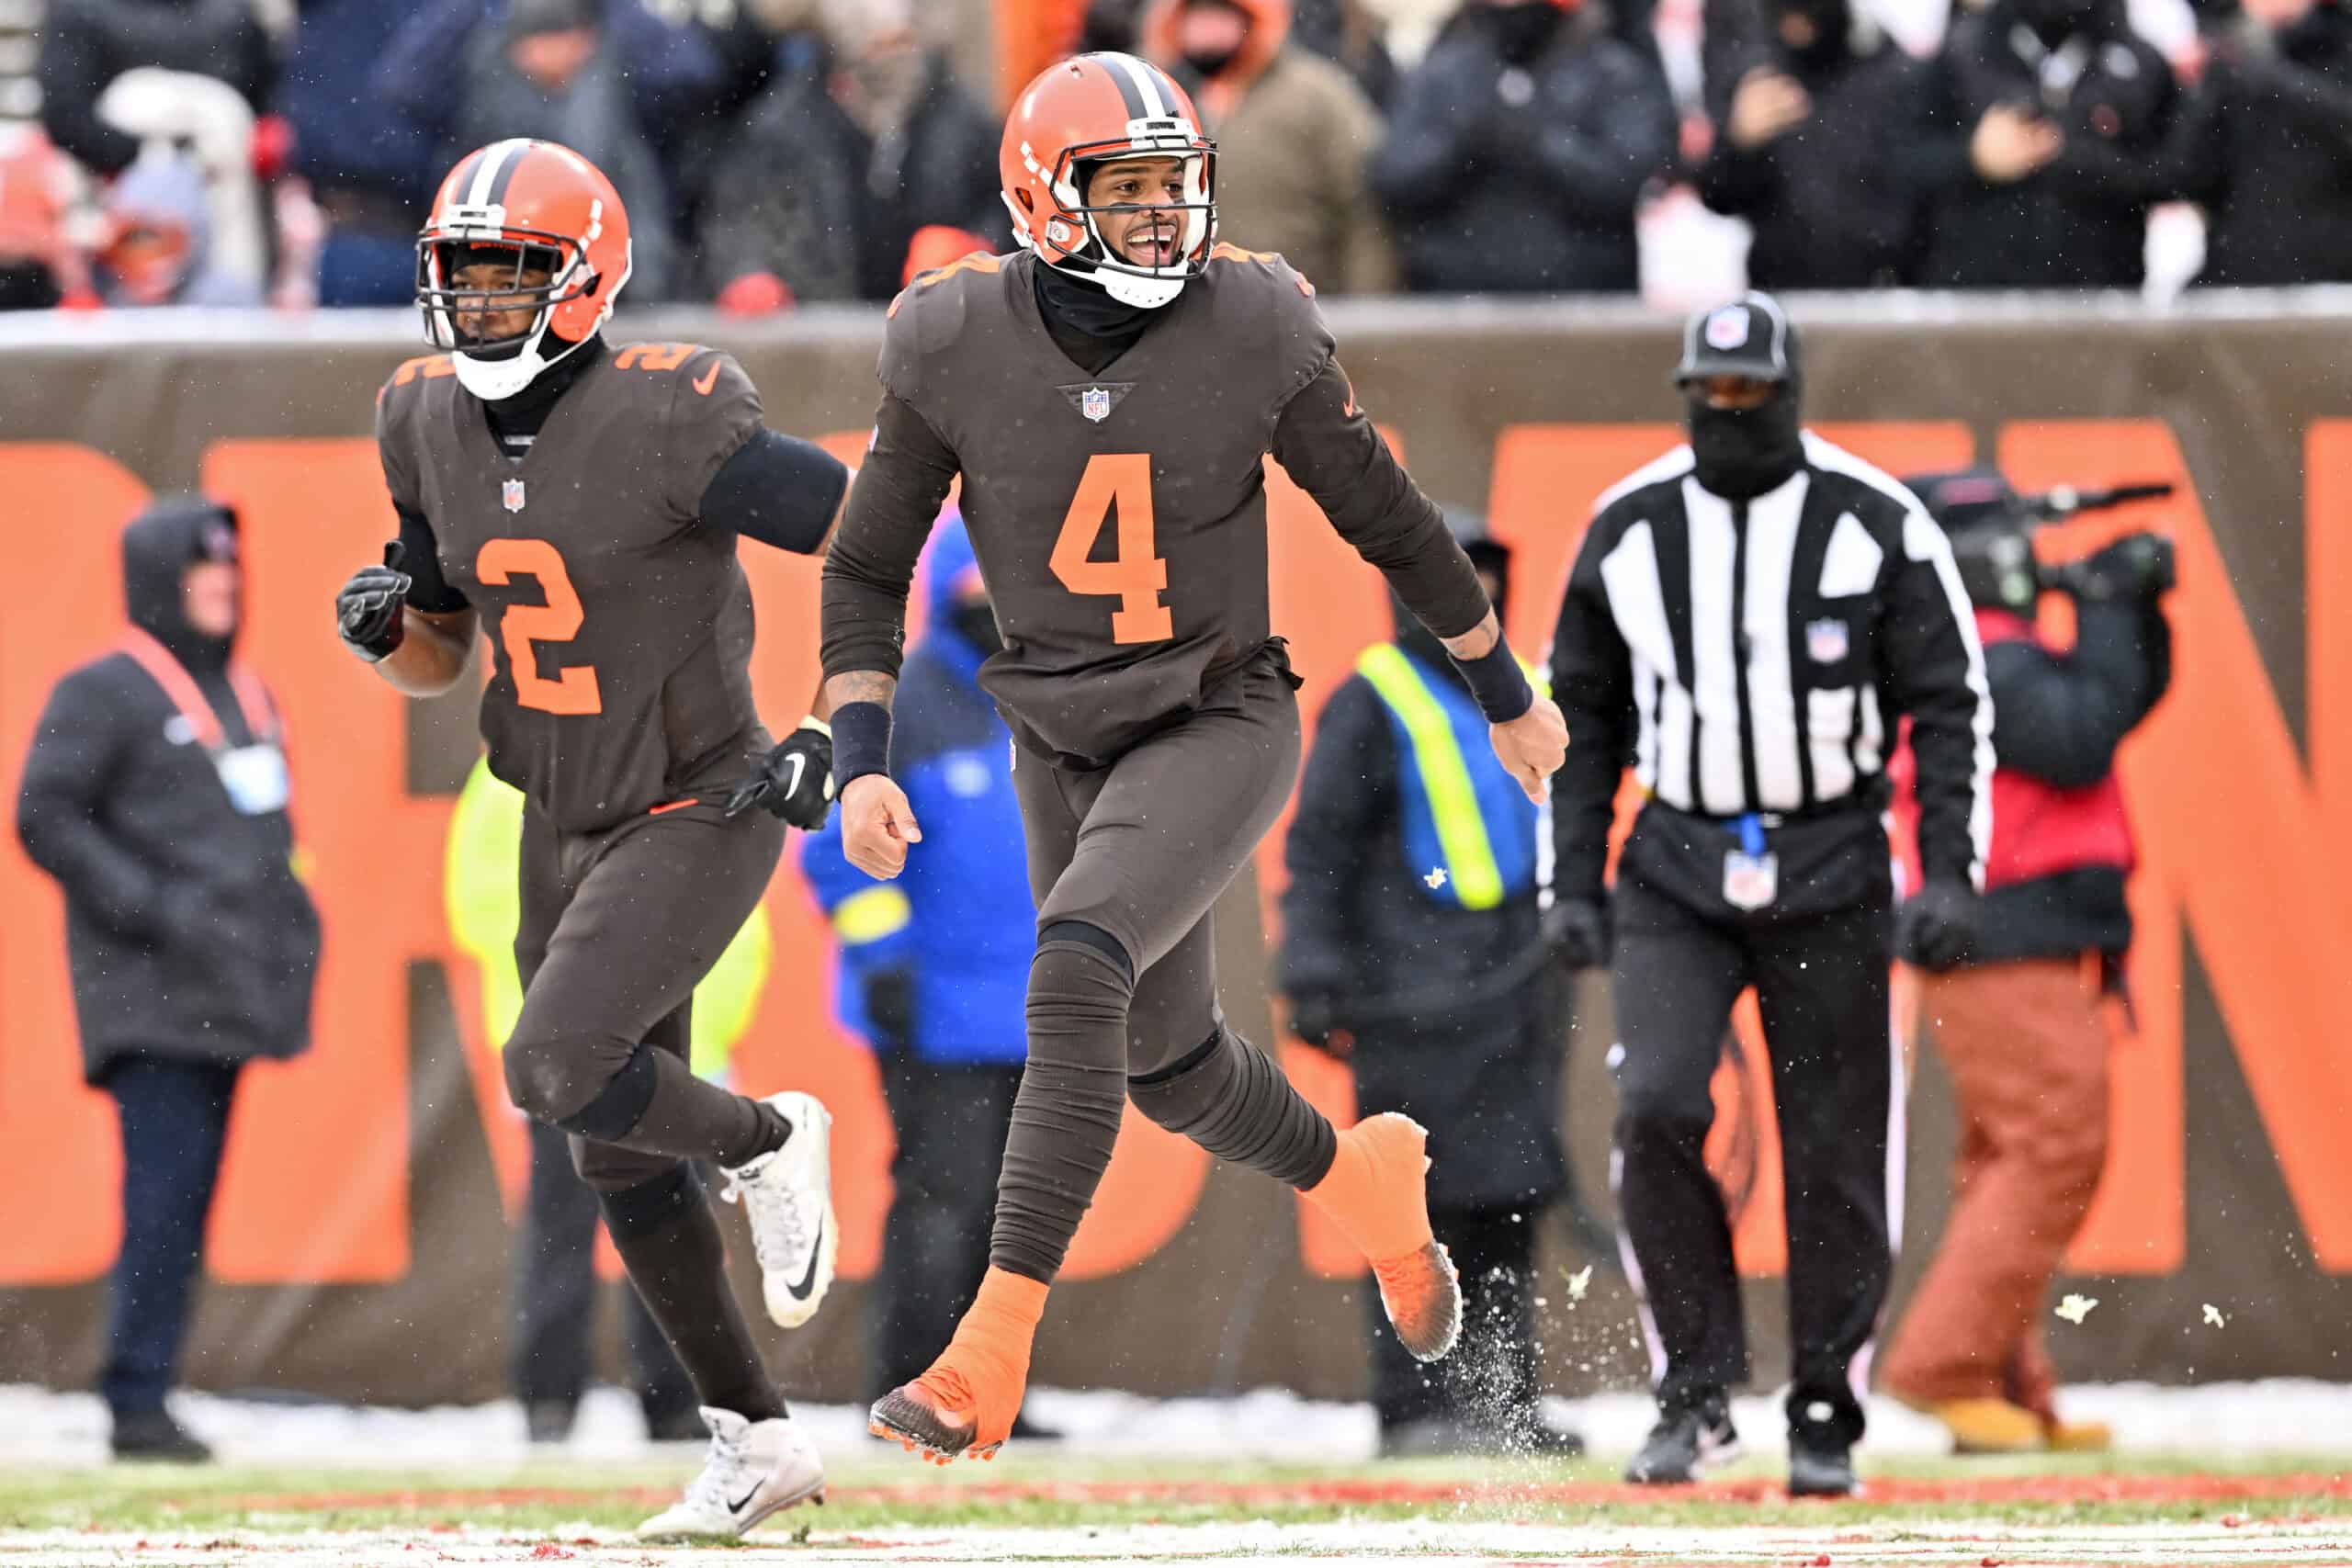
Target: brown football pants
column 1126, row 863
column 2026, row 1050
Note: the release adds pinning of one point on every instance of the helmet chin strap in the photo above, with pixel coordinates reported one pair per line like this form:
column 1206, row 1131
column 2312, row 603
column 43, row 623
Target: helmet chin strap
column 494, row 380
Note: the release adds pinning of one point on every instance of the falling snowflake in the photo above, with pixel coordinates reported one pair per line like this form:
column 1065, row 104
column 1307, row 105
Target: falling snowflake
column 1436, row 878
column 1579, row 1282
column 2073, row 1309
column 2214, row 1316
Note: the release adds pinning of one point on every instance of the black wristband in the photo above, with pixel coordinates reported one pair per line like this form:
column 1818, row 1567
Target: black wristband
column 861, row 742
column 1499, row 684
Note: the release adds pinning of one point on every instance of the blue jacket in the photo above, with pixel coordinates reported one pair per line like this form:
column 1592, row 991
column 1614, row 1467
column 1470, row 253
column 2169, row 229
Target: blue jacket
column 959, row 918
column 348, row 134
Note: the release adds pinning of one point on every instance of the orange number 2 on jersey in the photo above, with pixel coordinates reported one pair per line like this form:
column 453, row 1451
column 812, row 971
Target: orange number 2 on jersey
column 1135, row 575
column 573, row 691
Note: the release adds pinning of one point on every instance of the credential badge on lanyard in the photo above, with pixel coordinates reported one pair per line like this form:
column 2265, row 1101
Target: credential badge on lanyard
column 1751, row 873
column 254, row 776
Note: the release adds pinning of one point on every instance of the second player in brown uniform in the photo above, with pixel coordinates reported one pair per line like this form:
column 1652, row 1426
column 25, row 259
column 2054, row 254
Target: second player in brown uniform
column 1109, row 398
column 585, row 506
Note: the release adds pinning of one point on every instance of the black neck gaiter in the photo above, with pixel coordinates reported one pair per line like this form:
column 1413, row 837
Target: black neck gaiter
column 1739, row 453
column 1086, row 323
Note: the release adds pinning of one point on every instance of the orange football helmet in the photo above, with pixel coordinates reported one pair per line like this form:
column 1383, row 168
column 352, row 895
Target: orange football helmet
column 537, row 207
column 1086, row 110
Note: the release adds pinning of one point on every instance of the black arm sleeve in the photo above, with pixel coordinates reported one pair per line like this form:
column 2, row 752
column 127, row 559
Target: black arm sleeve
column 906, row 474
column 1328, row 447
column 421, row 559
column 76, row 749
column 2059, row 717
column 779, row 489
column 1345, row 796
column 1933, row 670
column 1592, row 679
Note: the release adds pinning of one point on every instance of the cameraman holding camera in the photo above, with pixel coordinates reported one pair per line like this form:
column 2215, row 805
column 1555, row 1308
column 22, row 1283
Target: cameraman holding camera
column 2015, row 1007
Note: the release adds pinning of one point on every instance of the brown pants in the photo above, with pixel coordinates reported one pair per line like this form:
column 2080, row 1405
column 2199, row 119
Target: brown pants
column 2026, row 1050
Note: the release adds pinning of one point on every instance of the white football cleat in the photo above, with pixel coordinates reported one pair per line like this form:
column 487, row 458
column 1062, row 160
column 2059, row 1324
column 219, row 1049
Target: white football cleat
column 789, row 1197
column 755, row 1469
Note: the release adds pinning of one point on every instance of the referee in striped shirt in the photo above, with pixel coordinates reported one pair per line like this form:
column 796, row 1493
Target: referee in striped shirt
column 1747, row 621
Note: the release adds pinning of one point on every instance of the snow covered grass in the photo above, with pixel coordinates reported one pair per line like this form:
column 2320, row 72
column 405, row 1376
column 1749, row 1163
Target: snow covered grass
column 2254, row 1474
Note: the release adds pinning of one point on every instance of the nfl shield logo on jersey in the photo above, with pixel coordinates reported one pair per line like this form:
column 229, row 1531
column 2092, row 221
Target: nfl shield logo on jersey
column 1825, row 641
column 511, row 494
column 1095, row 404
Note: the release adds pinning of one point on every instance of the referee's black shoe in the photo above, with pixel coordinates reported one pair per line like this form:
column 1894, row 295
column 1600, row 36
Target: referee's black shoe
column 1687, row 1440
column 1820, row 1467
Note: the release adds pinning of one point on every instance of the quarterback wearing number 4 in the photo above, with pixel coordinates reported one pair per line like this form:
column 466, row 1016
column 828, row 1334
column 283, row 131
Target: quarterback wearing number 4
column 1109, row 397
column 583, row 506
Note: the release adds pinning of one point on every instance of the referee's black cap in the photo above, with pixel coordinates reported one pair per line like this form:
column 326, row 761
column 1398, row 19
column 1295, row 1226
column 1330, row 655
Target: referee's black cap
column 1751, row 336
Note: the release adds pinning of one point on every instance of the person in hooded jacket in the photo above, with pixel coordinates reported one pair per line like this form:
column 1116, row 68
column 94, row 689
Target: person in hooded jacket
column 1518, row 152
column 2265, row 147
column 157, row 794
column 2044, row 126
column 1294, row 135
column 1800, row 151
column 86, row 44
column 932, row 969
column 1411, row 949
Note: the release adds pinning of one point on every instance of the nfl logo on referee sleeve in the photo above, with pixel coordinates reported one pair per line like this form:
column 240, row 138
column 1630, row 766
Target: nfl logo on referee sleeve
column 1825, row 641
column 510, row 494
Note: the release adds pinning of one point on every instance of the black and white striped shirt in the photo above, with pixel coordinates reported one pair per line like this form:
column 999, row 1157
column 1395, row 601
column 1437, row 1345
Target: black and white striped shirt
column 1756, row 656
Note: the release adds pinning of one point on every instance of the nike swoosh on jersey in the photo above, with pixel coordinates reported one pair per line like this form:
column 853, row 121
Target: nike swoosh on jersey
column 707, row 379
column 809, row 1280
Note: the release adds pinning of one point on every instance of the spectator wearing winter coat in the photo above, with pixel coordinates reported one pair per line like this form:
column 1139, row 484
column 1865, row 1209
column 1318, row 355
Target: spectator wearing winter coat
column 840, row 165
column 155, row 793
column 933, row 966
column 1800, row 151
column 2046, row 121
column 1410, row 948
column 2265, row 147
column 86, row 44
column 1518, row 150
column 157, row 248
column 590, row 74
column 1293, row 136
column 369, row 167
column 1350, row 34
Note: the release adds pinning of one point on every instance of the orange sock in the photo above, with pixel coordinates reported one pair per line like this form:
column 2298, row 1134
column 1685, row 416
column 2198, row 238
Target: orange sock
column 984, row 1371
column 1375, row 1191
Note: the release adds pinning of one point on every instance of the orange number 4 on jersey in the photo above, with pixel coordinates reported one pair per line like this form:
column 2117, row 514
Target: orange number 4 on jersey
column 1135, row 576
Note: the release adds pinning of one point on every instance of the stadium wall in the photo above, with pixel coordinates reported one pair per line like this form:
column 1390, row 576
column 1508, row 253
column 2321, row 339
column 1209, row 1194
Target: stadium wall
column 360, row 1244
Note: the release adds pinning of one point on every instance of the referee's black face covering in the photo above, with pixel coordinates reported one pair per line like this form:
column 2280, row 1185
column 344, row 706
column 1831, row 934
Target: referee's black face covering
column 1739, row 377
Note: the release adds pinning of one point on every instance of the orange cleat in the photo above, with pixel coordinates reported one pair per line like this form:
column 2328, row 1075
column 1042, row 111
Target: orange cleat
column 1377, row 1192
column 965, row 1404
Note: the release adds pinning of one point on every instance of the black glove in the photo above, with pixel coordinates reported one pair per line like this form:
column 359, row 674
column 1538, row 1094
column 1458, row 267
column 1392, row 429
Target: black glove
column 2137, row 566
column 891, row 1008
column 794, row 780
column 1577, row 932
column 1936, row 928
column 1315, row 1019
column 368, row 611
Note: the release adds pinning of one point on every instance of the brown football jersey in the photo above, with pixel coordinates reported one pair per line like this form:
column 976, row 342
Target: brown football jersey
column 620, row 631
column 1119, row 517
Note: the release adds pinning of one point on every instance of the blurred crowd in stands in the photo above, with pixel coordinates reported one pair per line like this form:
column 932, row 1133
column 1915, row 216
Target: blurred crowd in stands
column 778, row 152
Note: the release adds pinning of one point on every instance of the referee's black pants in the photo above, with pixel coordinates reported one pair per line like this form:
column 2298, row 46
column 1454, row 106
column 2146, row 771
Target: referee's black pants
column 1822, row 986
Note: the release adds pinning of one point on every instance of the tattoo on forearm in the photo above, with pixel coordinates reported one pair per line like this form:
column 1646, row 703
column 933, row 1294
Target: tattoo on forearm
column 861, row 686
column 1478, row 641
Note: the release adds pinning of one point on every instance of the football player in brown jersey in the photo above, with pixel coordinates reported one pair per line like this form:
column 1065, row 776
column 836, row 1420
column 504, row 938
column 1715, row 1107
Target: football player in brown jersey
column 1109, row 397
column 582, row 507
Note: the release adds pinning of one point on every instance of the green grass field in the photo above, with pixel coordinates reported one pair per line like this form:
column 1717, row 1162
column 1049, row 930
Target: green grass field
column 1062, row 1506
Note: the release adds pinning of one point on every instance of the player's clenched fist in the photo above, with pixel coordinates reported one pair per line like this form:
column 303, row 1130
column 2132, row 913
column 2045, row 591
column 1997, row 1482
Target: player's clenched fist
column 367, row 610
column 877, row 825
column 1532, row 746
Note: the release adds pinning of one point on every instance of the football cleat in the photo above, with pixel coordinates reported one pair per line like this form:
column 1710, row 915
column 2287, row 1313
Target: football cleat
column 1378, row 1192
column 1684, row 1444
column 788, row 1194
column 964, row 1407
column 754, row 1469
